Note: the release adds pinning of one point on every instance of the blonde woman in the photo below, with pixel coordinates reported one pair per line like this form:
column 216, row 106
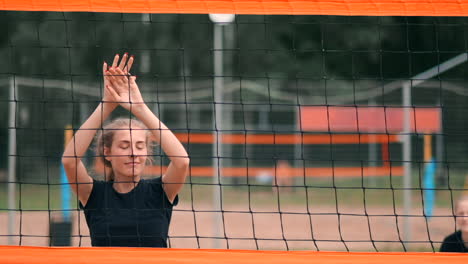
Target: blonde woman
column 125, row 210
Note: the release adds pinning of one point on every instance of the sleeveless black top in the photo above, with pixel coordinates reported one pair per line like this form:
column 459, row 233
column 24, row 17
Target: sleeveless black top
column 139, row 218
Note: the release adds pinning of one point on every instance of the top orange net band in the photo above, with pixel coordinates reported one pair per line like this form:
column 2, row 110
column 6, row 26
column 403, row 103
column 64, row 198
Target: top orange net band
column 271, row 7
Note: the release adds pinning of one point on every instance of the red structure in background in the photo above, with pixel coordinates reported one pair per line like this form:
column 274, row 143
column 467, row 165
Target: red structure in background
column 370, row 120
column 340, row 125
column 363, row 119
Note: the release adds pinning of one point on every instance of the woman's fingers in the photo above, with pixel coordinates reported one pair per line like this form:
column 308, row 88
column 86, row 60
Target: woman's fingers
column 105, row 72
column 104, row 68
column 129, row 65
column 123, row 61
column 120, row 73
column 116, row 60
column 118, row 79
column 113, row 78
column 115, row 96
column 117, row 75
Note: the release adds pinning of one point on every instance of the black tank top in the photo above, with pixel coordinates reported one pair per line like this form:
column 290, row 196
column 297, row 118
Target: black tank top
column 139, row 218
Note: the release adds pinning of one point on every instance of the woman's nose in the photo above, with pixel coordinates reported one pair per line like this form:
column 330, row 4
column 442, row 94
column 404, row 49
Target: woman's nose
column 134, row 152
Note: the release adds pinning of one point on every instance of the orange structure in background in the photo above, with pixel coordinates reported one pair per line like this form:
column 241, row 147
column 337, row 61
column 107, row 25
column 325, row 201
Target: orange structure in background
column 207, row 171
column 369, row 119
column 287, row 139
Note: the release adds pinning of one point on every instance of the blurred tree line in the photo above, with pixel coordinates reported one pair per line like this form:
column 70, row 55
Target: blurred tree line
column 345, row 55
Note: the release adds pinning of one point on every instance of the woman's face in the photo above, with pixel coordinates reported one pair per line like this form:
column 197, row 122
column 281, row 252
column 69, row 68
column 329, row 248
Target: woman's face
column 128, row 152
column 462, row 215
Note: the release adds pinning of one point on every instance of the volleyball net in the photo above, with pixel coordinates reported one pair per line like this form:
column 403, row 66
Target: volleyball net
column 310, row 125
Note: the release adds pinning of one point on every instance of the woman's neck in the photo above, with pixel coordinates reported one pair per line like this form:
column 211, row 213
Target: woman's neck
column 125, row 184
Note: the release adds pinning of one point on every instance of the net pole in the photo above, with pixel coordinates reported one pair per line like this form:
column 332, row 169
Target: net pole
column 406, row 162
column 440, row 159
column 217, row 145
column 298, row 157
column 12, row 162
column 415, row 81
column 219, row 20
column 372, row 148
column 145, row 55
column 217, row 128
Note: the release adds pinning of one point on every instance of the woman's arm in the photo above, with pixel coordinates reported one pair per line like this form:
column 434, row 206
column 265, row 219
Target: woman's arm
column 174, row 178
column 126, row 91
column 76, row 172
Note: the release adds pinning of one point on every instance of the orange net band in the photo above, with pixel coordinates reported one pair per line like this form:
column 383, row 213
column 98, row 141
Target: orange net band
column 71, row 255
column 270, row 7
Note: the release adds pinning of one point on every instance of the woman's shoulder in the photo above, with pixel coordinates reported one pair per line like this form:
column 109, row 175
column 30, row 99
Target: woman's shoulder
column 97, row 193
column 157, row 190
column 455, row 236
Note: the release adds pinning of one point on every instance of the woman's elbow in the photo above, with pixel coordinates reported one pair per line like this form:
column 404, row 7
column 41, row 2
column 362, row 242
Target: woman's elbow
column 186, row 162
column 183, row 163
column 68, row 161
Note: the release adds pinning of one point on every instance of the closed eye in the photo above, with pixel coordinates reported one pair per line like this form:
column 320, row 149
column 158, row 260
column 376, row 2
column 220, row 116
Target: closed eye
column 141, row 145
column 124, row 146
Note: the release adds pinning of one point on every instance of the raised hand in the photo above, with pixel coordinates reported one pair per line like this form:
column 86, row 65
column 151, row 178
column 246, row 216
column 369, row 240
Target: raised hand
column 125, row 65
column 123, row 89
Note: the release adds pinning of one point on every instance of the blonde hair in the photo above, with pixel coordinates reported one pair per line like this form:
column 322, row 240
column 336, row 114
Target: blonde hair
column 105, row 138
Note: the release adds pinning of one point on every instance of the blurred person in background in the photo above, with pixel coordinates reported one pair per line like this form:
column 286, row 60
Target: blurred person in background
column 458, row 241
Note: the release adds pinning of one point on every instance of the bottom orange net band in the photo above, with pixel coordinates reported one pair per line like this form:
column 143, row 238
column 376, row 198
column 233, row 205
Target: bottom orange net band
column 51, row 255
